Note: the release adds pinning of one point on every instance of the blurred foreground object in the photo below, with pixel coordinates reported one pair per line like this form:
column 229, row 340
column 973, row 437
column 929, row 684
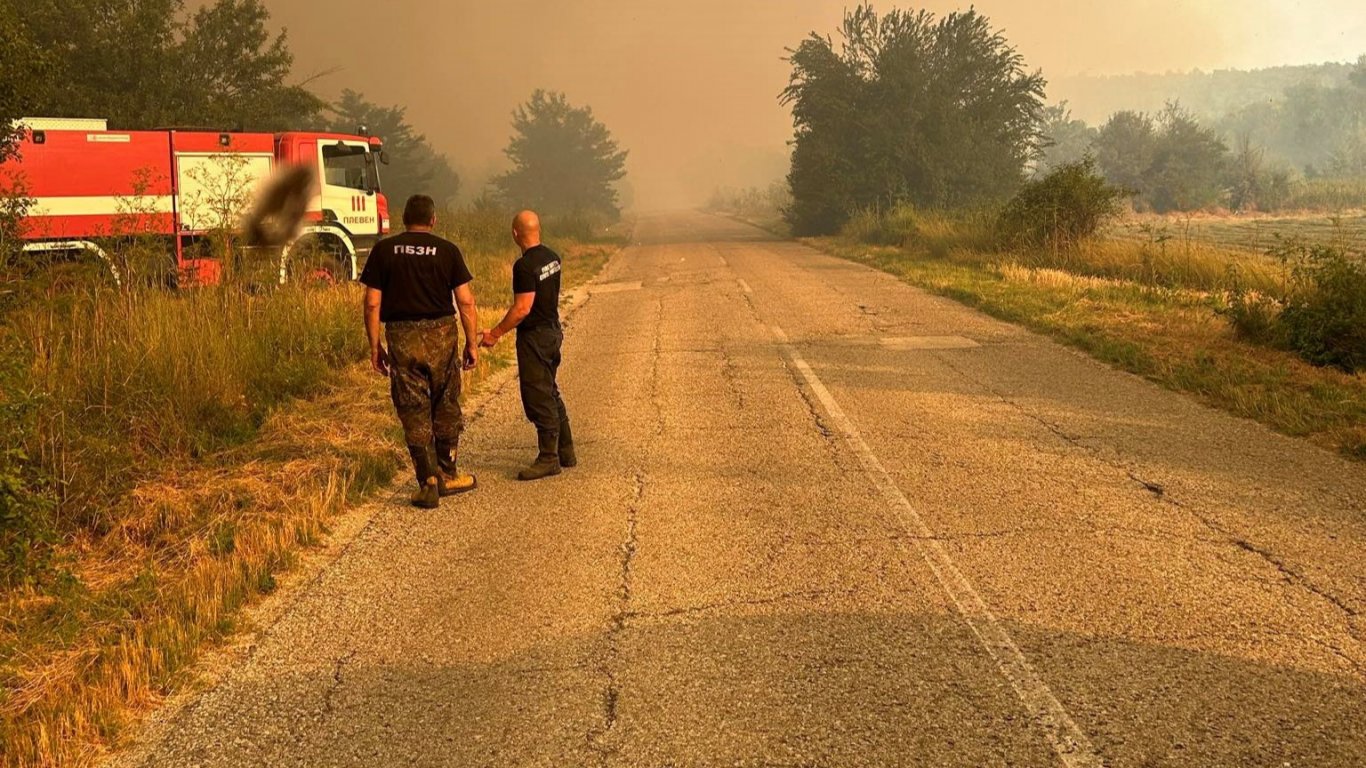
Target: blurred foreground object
column 277, row 217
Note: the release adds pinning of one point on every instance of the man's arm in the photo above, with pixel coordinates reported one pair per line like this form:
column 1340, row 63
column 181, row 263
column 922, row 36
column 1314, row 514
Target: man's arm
column 379, row 360
column 521, row 307
column 469, row 319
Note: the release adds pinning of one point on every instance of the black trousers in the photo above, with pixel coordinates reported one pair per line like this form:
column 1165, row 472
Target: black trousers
column 538, row 363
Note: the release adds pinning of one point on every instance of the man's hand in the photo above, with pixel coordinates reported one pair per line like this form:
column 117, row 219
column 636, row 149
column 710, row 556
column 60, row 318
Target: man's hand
column 488, row 338
column 471, row 358
column 379, row 360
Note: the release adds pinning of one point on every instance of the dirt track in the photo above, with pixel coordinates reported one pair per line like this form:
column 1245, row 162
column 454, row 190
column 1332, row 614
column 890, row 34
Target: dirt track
column 825, row 519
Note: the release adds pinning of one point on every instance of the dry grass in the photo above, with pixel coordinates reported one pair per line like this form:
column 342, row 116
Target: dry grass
column 191, row 547
column 189, row 522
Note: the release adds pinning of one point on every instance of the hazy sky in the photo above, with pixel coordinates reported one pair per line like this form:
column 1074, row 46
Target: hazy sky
column 690, row 86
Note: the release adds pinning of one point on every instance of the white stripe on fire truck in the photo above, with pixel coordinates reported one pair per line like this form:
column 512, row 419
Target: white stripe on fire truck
column 100, row 205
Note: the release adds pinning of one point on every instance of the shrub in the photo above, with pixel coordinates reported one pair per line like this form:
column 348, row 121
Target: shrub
column 1060, row 210
column 1254, row 315
column 1321, row 315
column 1324, row 319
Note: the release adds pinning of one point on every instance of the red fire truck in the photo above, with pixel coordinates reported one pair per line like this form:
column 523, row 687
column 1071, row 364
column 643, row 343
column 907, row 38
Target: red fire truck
column 88, row 183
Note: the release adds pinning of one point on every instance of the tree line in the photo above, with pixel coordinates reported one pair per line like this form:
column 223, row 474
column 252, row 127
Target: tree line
column 1174, row 161
column 941, row 112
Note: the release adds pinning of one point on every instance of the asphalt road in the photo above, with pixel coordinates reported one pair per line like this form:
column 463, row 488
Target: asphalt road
column 824, row 519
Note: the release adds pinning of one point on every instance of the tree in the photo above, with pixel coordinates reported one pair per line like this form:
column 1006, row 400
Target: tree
column 231, row 72
column 414, row 166
column 109, row 58
column 910, row 108
column 1063, row 139
column 24, row 77
column 1188, row 167
column 143, row 63
column 564, row 161
column 1125, row 147
column 1358, row 76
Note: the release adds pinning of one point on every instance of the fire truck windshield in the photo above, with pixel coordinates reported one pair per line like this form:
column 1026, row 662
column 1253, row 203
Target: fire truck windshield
column 350, row 166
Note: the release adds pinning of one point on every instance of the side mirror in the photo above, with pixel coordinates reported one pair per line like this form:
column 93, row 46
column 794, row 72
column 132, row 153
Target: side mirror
column 384, row 156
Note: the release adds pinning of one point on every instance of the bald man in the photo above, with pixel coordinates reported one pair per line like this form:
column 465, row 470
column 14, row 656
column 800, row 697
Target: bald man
column 535, row 313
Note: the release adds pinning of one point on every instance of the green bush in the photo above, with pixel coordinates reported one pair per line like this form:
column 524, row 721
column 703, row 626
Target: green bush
column 1324, row 319
column 1060, row 210
column 1321, row 314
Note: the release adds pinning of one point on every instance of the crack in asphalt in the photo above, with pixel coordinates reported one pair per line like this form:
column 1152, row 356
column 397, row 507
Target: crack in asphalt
column 756, row 602
column 827, row 434
column 1290, row 575
column 656, row 352
column 730, row 372
column 337, row 679
column 828, row 437
column 610, row 661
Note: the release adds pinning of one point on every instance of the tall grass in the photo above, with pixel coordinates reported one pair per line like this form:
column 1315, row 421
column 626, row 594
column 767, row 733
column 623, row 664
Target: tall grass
column 969, row 237
column 124, row 381
column 131, row 543
column 1327, row 194
column 938, row 234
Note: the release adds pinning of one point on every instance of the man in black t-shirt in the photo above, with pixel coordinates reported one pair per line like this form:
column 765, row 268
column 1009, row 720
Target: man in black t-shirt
column 414, row 283
column 535, row 313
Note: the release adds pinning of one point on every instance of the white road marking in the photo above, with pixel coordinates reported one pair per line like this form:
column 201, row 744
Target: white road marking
column 1066, row 738
column 744, row 286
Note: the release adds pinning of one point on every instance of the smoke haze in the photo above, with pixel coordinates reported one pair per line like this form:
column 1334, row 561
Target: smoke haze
column 691, row 88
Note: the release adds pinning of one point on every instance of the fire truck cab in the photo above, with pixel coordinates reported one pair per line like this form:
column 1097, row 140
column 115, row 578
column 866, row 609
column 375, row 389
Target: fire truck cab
column 87, row 184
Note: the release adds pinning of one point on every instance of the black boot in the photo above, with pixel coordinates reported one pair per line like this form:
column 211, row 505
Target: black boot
column 547, row 461
column 452, row 481
column 428, row 472
column 567, row 456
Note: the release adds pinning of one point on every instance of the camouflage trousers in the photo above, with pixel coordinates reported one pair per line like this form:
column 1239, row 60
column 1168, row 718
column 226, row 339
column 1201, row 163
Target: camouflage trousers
column 424, row 378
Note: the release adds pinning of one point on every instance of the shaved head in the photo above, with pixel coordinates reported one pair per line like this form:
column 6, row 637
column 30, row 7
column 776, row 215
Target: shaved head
column 526, row 229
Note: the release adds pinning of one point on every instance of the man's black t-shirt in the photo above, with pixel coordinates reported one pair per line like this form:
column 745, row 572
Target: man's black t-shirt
column 416, row 273
column 539, row 271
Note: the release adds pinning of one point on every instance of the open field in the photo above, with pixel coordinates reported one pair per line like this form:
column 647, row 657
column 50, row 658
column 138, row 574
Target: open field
column 187, row 447
column 1256, row 233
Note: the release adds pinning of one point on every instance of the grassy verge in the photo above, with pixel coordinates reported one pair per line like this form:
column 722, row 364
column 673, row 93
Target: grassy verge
column 1145, row 310
column 166, row 456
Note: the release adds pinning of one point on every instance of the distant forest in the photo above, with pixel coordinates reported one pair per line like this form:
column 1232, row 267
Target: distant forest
column 1289, row 137
column 1209, row 95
